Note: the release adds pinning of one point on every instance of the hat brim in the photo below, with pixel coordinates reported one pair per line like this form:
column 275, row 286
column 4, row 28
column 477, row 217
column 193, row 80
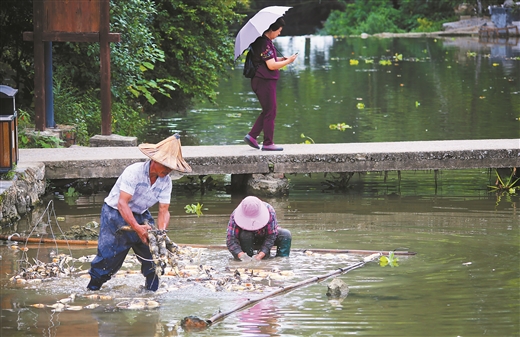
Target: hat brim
column 252, row 224
column 168, row 153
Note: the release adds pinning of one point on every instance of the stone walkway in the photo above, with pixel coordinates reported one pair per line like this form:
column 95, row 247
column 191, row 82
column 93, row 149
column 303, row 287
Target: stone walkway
column 108, row 162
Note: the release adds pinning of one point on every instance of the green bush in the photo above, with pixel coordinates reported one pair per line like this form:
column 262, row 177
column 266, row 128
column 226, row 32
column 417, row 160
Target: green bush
column 380, row 21
column 376, row 16
column 83, row 110
column 27, row 139
column 371, row 18
column 426, row 26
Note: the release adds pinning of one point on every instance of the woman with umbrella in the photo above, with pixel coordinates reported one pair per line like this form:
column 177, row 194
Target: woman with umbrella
column 264, row 84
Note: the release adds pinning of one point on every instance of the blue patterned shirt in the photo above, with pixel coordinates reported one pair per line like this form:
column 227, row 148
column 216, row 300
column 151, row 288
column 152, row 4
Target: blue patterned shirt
column 135, row 180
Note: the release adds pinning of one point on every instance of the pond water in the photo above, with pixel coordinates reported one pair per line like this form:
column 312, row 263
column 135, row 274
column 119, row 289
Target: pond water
column 401, row 89
column 464, row 279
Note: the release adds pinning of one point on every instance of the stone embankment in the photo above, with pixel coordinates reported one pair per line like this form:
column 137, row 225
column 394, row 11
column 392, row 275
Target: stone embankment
column 19, row 195
column 470, row 26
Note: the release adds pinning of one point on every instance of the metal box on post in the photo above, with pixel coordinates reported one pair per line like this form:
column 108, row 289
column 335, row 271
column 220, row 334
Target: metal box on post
column 8, row 129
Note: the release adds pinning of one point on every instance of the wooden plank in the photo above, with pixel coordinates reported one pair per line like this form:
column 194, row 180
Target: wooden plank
column 72, row 16
column 4, row 145
column 8, row 142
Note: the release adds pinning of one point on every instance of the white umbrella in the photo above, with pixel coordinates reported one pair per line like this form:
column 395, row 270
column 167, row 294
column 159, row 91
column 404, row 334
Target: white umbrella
column 256, row 26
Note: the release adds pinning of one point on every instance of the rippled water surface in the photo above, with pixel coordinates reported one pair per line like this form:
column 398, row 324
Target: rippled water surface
column 463, row 281
column 401, row 89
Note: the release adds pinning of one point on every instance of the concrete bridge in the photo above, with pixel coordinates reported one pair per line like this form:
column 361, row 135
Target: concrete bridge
column 34, row 166
column 108, row 162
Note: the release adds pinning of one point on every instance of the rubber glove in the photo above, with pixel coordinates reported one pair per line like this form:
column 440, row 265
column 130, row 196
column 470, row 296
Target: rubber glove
column 244, row 257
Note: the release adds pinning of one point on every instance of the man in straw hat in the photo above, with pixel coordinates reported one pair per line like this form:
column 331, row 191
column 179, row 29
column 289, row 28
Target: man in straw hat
column 253, row 226
column 140, row 186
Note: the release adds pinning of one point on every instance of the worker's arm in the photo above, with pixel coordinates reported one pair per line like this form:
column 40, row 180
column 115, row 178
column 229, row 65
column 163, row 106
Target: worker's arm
column 163, row 219
column 128, row 216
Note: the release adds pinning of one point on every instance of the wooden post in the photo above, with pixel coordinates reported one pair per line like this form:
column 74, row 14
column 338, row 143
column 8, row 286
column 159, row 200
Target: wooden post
column 39, row 66
column 106, row 96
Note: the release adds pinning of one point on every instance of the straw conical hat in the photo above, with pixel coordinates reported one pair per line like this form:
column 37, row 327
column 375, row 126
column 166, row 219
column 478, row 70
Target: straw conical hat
column 167, row 152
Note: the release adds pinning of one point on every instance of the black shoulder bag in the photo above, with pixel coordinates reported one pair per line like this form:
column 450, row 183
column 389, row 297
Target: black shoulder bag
column 249, row 66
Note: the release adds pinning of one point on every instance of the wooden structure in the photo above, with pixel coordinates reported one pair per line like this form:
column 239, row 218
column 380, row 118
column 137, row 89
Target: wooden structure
column 495, row 32
column 71, row 21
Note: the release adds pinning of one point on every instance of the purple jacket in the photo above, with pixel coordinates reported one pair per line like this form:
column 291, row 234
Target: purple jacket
column 264, row 50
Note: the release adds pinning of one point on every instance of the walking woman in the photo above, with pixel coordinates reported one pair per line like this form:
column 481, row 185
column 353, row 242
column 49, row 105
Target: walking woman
column 264, row 85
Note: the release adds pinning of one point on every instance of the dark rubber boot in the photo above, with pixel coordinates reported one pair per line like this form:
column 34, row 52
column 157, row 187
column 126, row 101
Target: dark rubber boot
column 152, row 282
column 94, row 284
column 283, row 242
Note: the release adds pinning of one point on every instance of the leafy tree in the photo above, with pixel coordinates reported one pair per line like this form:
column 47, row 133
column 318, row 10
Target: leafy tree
column 16, row 55
column 377, row 16
column 198, row 47
column 412, row 10
column 167, row 47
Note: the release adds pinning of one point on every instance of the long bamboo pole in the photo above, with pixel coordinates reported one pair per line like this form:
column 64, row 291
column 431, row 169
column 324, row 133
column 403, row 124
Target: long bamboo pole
column 187, row 321
column 94, row 243
column 48, row 240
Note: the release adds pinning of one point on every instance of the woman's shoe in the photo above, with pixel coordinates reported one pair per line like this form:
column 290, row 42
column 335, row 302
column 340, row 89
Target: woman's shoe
column 251, row 142
column 271, row 147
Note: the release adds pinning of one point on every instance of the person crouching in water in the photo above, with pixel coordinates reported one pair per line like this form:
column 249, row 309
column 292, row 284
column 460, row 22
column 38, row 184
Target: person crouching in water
column 253, row 226
column 139, row 187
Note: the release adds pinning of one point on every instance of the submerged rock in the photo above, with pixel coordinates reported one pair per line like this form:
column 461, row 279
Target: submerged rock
column 87, row 232
column 193, row 323
column 337, row 288
column 268, row 185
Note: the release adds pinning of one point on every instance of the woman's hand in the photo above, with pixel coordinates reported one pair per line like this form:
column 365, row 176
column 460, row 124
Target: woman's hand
column 244, row 257
column 259, row 256
column 291, row 58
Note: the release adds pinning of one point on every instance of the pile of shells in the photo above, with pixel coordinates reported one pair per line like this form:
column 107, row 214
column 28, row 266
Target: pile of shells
column 227, row 280
column 60, row 266
column 164, row 251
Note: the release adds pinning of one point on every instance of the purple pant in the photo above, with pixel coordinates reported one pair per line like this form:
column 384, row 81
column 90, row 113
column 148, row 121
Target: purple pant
column 265, row 90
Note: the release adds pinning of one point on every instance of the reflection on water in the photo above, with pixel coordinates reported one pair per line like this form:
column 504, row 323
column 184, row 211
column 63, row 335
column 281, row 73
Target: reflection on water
column 463, row 281
column 431, row 89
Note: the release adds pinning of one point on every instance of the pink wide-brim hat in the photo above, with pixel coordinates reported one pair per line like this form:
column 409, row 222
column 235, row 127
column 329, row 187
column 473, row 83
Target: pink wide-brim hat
column 251, row 214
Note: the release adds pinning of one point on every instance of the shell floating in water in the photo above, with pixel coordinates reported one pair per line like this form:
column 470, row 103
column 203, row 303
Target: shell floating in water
column 74, row 307
column 138, row 304
column 98, row 297
column 38, row 305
